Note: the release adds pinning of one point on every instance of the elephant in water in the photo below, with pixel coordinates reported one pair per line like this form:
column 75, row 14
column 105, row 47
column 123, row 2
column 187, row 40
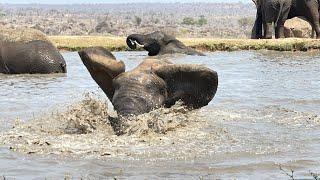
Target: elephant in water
column 152, row 84
column 30, row 58
column 159, row 43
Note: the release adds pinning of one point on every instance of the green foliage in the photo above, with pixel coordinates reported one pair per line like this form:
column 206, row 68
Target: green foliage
column 188, row 21
column 2, row 13
column 137, row 20
column 156, row 21
column 202, row 21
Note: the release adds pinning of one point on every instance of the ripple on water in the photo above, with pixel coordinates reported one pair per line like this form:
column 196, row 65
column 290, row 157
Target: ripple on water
column 264, row 114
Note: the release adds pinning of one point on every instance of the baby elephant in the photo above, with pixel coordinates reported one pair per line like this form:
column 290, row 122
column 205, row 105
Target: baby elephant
column 152, row 84
column 159, row 43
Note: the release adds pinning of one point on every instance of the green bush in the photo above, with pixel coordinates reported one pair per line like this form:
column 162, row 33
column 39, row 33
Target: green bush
column 188, row 21
column 2, row 14
column 137, row 20
column 202, row 21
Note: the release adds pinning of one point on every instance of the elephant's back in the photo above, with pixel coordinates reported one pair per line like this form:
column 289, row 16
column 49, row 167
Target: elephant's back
column 32, row 57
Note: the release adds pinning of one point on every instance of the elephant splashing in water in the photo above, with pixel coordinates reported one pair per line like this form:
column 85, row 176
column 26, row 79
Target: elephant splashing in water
column 152, row 84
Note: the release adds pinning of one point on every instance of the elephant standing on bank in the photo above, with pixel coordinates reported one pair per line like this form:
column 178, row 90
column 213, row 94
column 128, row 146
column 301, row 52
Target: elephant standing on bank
column 159, row 43
column 278, row 11
column 152, row 84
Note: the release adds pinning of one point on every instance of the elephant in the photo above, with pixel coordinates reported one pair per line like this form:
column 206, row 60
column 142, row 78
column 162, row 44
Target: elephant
column 159, row 43
column 33, row 57
column 278, row 11
column 152, row 84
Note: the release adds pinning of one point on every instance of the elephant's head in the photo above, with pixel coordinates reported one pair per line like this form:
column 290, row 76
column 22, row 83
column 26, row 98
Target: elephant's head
column 158, row 43
column 152, row 84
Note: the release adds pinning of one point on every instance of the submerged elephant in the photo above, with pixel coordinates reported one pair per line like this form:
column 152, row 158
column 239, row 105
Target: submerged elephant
column 278, row 11
column 159, row 43
column 152, row 84
column 34, row 57
column 25, row 50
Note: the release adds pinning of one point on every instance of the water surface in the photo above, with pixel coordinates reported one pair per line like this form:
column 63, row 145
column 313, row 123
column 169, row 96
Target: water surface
column 265, row 113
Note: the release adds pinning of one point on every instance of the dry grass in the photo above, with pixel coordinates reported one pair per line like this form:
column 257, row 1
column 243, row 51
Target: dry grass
column 21, row 35
column 75, row 43
column 291, row 44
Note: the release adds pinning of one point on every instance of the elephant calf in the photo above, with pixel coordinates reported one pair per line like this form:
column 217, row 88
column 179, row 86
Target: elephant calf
column 30, row 57
column 152, row 84
column 159, row 43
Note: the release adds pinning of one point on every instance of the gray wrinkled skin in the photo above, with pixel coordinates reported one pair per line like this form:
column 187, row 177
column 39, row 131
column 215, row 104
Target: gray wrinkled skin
column 159, row 43
column 34, row 57
column 152, row 84
column 278, row 11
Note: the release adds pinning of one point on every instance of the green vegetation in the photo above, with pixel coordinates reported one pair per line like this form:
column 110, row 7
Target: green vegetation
column 2, row 13
column 137, row 20
column 202, row 21
column 190, row 21
column 75, row 43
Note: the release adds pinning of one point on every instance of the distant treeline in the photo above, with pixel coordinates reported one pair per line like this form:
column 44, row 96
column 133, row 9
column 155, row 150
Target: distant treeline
column 219, row 20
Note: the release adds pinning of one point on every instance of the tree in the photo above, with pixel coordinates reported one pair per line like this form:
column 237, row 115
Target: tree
column 137, row 20
column 2, row 13
column 188, row 21
column 202, row 21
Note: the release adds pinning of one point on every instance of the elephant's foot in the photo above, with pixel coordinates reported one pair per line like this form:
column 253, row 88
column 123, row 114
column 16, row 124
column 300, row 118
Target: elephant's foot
column 318, row 37
column 280, row 37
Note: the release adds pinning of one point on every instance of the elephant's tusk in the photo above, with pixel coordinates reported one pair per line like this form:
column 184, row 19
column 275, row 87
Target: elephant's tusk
column 135, row 42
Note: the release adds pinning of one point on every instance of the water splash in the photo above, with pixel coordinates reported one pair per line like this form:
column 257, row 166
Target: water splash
column 84, row 129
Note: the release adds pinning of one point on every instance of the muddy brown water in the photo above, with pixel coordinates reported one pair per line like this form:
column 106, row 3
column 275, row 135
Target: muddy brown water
column 265, row 114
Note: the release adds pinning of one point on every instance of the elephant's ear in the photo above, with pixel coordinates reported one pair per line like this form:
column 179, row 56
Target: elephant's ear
column 195, row 85
column 103, row 67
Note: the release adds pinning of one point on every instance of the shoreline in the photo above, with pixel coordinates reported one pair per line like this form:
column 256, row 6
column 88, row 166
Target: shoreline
column 76, row 43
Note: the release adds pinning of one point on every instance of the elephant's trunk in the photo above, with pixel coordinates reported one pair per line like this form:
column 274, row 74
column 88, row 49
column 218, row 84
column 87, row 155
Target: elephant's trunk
column 135, row 39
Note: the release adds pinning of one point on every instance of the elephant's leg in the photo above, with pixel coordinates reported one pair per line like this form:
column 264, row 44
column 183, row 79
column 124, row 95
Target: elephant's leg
column 279, row 31
column 313, row 32
column 315, row 25
column 268, row 30
column 317, row 28
column 283, row 15
column 313, row 13
column 257, row 28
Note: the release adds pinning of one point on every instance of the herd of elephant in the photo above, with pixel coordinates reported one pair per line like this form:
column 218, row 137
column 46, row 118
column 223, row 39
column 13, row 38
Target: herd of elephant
column 154, row 83
column 276, row 12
